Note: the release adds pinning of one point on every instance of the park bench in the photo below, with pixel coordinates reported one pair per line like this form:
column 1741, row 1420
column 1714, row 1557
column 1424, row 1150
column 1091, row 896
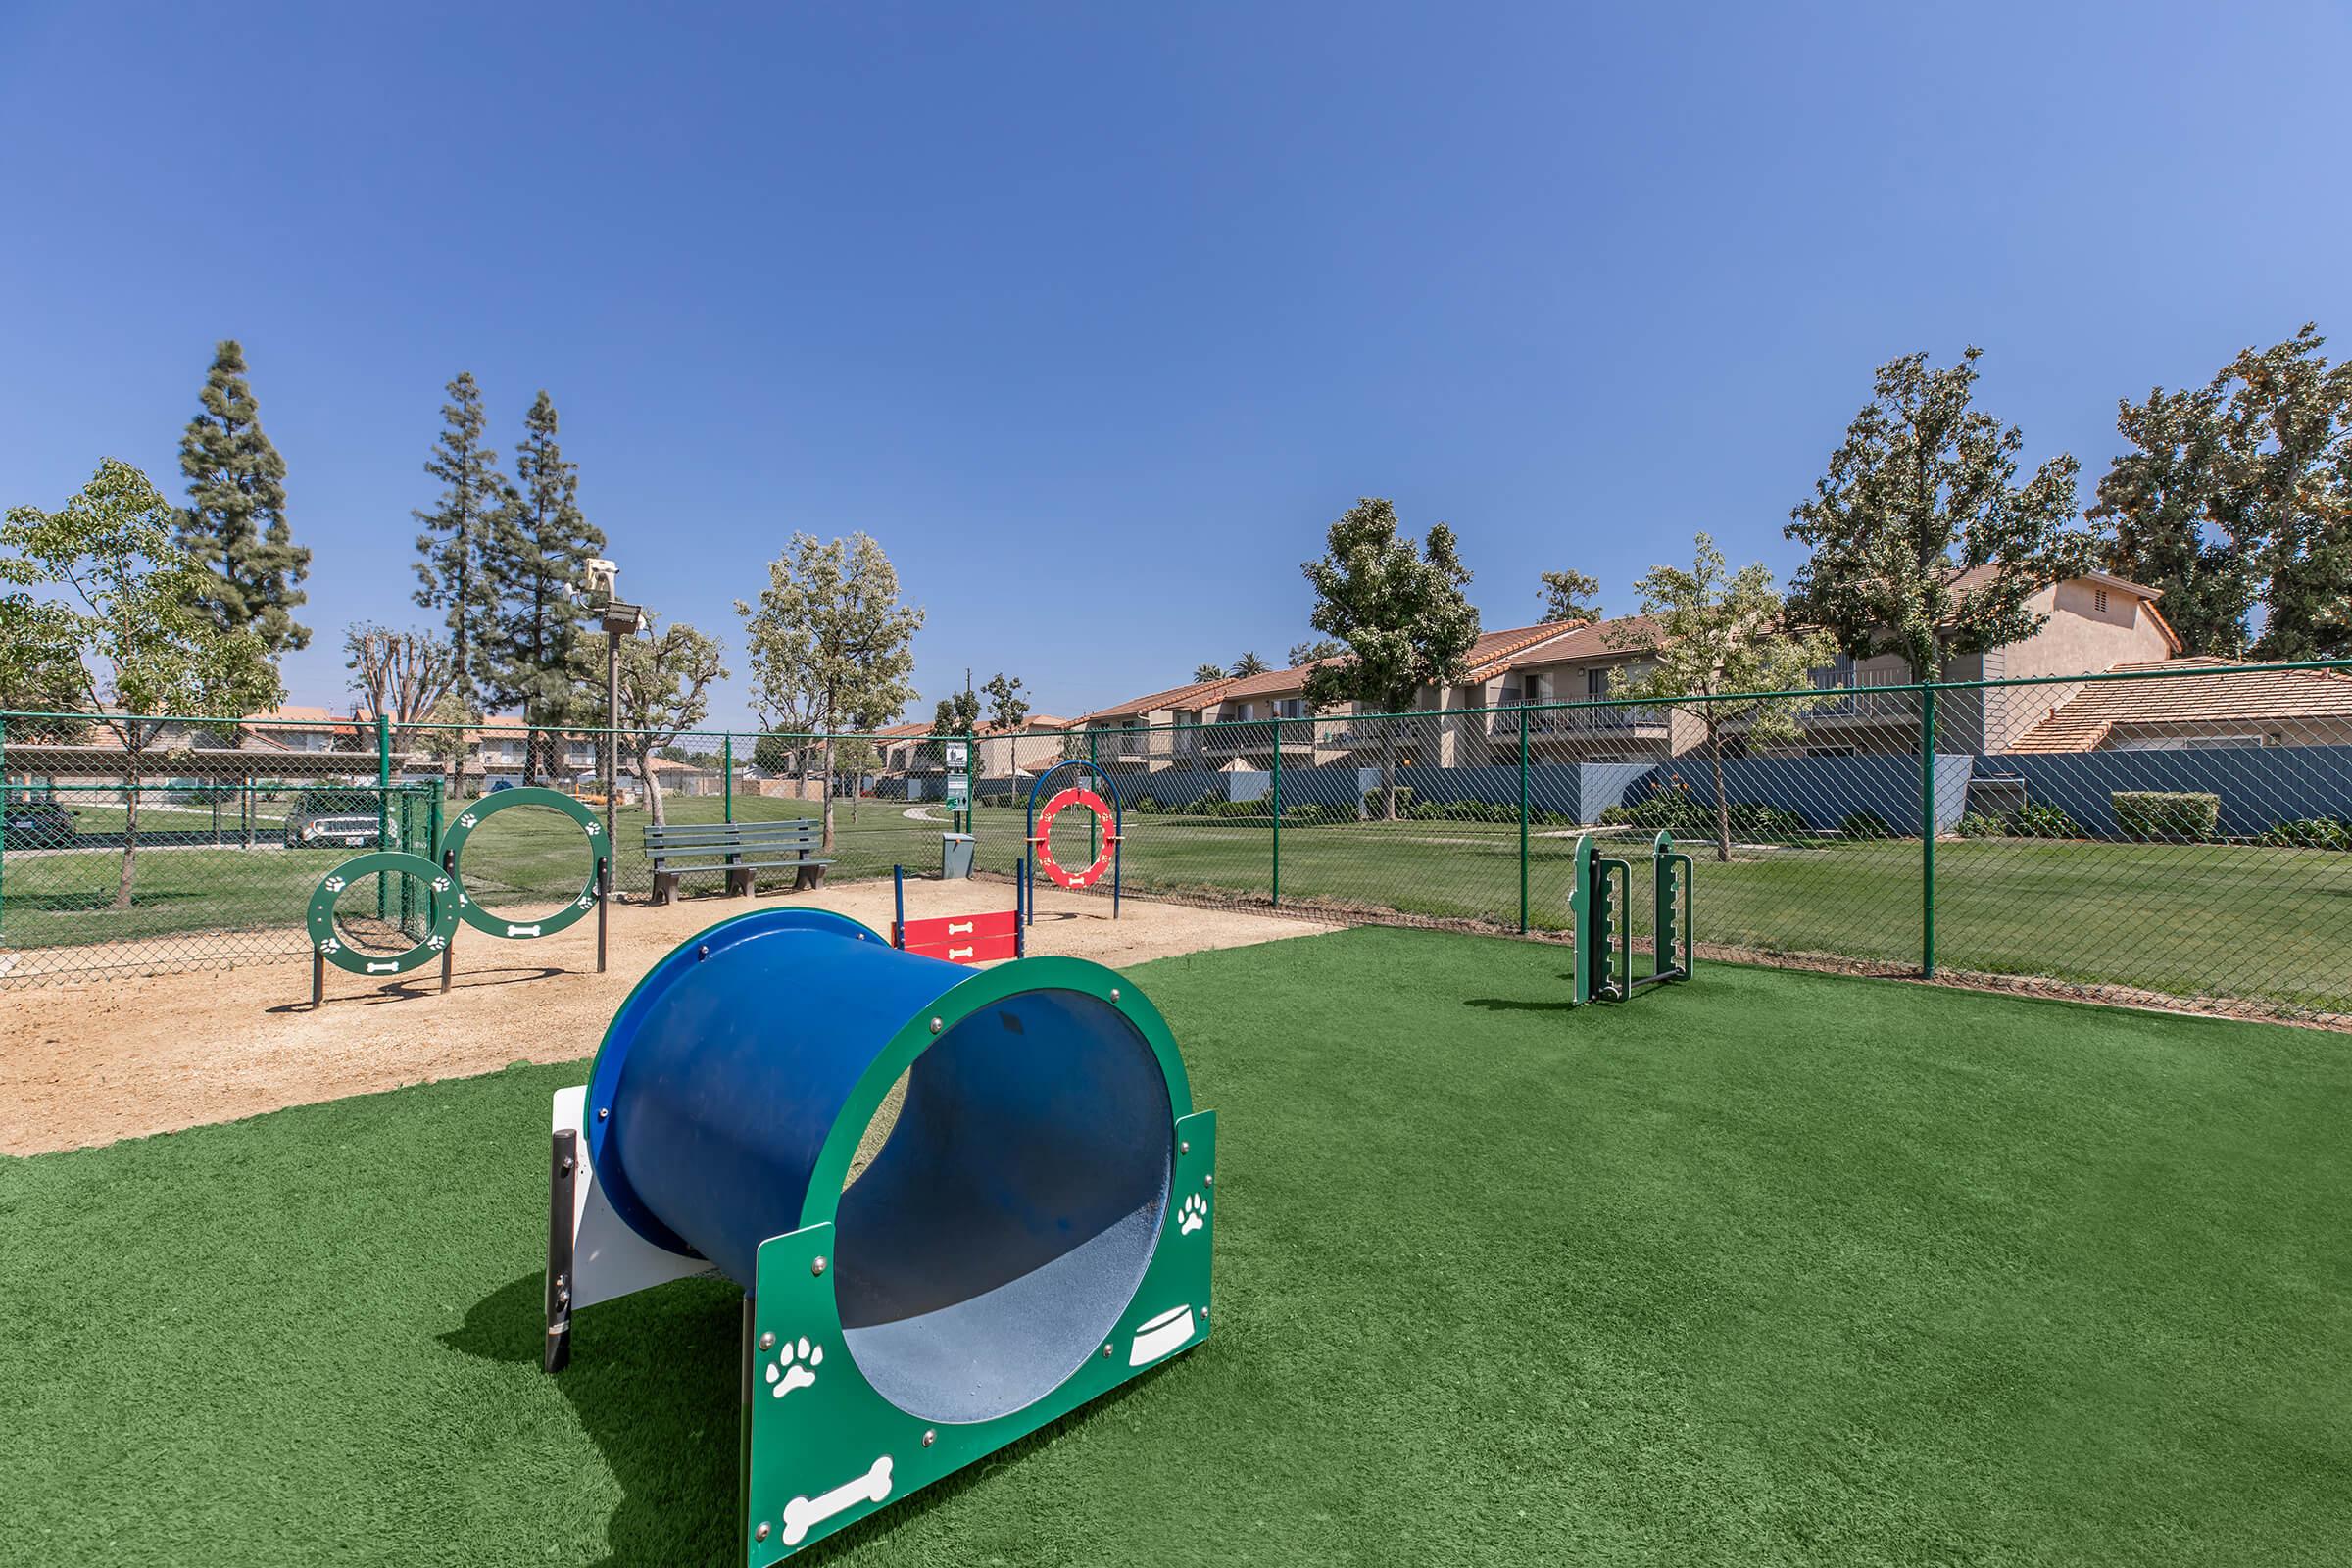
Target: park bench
column 739, row 848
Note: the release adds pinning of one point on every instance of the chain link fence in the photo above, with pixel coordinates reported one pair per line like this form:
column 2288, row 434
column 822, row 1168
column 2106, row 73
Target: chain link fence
column 2178, row 837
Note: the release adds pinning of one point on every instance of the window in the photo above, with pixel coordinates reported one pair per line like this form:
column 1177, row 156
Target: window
column 2099, row 599
column 1291, row 707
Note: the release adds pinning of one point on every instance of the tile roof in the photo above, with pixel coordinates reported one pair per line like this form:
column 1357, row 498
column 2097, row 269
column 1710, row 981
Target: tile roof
column 1591, row 639
column 1186, row 695
column 2085, row 720
column 1270, row 683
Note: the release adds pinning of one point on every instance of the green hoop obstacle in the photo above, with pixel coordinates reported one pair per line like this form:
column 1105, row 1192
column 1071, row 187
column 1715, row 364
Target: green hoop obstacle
column 450, row 903
column 452, row 850
column 327, row 946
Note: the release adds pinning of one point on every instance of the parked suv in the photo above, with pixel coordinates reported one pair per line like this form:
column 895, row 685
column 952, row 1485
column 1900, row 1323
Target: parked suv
column 38, row 823
column 348, row 819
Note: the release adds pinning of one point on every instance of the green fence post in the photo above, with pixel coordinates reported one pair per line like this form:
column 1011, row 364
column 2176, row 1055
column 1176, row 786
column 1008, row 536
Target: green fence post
column 383, row 808
column 1523, row 821
column 1927, row 833
column 726, row 776
column 1277, row 899
column 1092, row 850
column 4, row 798
column 971, row 789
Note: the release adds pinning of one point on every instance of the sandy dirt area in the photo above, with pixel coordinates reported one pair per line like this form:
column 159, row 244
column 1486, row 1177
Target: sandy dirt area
column 89, row 1064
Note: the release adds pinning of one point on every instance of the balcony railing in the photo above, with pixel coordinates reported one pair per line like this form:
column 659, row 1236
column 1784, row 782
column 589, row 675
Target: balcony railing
column 1569, row 722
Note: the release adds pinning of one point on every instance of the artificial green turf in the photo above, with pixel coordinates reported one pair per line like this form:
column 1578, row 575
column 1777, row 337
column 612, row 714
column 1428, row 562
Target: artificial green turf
column 1766, row 1268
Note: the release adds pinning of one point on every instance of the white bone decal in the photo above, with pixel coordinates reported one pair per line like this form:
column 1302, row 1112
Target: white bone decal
column 959, row 952
column 802, row 1514
column 522, row 930
column 383, row 968
column 959, row 928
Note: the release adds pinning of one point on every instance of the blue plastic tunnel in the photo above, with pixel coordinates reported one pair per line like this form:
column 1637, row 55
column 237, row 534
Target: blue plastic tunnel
column 1012, row 1212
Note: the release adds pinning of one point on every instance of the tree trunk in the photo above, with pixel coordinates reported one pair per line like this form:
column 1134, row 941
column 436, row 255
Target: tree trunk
column 130, row 831
column 1387, row 772
column 652, row 788
column 827, row 788
column 1723, row 805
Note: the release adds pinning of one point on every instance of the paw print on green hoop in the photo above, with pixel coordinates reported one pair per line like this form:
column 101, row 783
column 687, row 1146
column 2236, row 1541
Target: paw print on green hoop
column 795, row 1366
column 1191, row 1214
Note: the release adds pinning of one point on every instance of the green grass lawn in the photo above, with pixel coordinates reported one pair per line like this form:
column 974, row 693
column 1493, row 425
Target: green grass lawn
column 1772, row 1267
column 2187, row 920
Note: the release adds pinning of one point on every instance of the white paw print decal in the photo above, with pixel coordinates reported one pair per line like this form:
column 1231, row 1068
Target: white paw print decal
column 795, row 1367
column 466, row 820
column 436, row 942
column 587, row 900
column 330, row 945
column 335, row 884
column 1192, row 1215
column 594, row 827
column 440, row 884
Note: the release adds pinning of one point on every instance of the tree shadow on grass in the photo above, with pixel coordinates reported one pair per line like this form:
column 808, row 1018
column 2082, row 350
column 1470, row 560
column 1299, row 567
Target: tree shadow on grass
column 656, row 1380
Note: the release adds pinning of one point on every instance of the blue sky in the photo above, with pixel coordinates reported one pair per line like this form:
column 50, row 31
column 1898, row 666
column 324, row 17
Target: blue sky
column 1096, row 318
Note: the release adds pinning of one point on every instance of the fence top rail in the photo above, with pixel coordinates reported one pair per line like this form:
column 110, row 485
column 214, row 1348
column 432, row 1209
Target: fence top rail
column 1088, row 735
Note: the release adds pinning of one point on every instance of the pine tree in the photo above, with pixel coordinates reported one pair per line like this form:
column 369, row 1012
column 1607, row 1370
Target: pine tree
column 1570, row 596
column 450, row 575
column 535, row 649
column 236, row 532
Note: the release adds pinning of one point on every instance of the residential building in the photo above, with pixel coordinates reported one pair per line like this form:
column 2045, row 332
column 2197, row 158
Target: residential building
column 1134, row 736
column 2195, row 713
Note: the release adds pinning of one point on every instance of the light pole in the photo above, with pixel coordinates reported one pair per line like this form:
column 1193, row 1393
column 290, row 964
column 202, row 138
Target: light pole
column 620, row 621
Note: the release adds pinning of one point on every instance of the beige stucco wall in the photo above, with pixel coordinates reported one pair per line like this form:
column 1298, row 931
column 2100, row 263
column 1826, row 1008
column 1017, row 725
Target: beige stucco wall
column 2079, row 639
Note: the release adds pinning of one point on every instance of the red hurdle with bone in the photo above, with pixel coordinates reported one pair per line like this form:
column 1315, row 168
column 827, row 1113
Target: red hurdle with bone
column 963, row 938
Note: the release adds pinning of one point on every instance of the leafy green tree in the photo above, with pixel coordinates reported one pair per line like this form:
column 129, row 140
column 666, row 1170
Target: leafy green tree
column 830, row 642
column 96, row 594
column 1401, row 613
column 1703, row 635
column 665, row 681
column 443, row 738
column 451, row 574
column 2286, row 435
column 2162, row 499
column 236, row 532
column 1249, row 665
column 1570, row 596
column 957, row 713
column 1205, row 673
column 1314, row 649
column 1920, row 491
column 773, row 755
column 537, row 648
column 1007, row 708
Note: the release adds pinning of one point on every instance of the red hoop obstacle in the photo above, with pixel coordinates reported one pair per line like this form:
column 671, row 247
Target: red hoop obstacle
column 1041, row 838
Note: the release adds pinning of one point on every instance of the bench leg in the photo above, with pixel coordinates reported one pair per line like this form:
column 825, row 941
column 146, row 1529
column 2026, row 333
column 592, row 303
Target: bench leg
column 739, row 881
column 665, row 887
column 808, row 877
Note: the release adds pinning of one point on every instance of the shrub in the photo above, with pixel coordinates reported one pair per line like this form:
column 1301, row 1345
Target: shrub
column 2037, row 821
column 1143, row 806
column 2309, row 833
column 1404, row 801
column 2170, row 817
column 1864, row 825
column 1978, row 825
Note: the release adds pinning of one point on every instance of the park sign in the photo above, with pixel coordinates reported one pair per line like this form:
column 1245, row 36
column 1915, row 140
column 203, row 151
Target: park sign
column 959, row 755
column 960, row 791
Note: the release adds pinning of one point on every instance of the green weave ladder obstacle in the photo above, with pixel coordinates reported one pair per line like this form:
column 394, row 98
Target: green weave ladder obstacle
column 1601, row 905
